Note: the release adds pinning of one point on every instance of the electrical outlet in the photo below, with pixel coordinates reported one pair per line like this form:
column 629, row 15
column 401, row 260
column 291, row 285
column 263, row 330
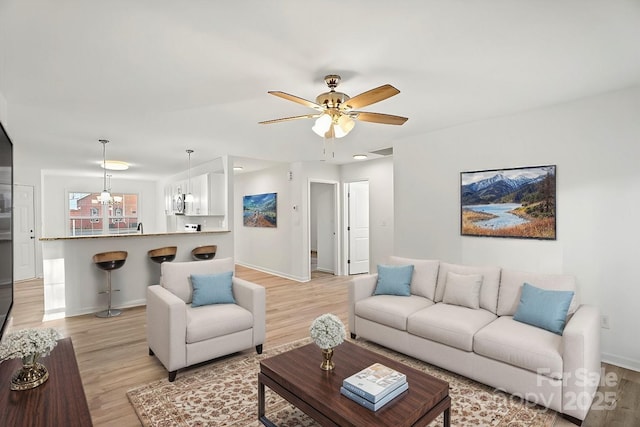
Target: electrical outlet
column 604, row 322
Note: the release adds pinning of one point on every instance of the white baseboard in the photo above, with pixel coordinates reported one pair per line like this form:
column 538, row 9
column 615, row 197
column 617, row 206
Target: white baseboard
column 90, row 310
column 622, row 362
column 275, row 273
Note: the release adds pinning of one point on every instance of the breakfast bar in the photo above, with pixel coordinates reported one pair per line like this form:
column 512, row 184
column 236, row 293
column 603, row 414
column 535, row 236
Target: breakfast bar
column 73, row 285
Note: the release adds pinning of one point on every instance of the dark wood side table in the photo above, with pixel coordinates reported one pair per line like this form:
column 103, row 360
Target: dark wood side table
column 58, row 402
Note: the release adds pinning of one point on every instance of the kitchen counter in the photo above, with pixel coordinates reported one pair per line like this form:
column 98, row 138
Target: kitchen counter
column 73, row 284
column 107, row 236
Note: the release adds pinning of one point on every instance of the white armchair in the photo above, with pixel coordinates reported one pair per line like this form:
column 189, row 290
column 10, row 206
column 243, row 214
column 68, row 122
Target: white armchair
column 180, row 335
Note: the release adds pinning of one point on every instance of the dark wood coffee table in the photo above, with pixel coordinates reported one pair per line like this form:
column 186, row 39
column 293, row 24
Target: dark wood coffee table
column 296, row 376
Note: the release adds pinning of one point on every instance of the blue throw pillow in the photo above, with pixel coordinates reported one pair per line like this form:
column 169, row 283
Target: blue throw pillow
column 212, row 289
column 543, row 308
column 394, row 280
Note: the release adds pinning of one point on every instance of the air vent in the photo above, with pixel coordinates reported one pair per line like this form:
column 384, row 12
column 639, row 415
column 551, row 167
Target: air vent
column 384, row 152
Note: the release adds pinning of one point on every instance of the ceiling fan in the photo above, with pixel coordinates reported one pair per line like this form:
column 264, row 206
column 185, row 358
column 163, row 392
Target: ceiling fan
column 336, row 111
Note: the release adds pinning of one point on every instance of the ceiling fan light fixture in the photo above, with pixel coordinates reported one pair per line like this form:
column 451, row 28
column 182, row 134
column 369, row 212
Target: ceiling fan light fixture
column 346, row 123
column 322, row 126
column 338, row 131
column 337, row 111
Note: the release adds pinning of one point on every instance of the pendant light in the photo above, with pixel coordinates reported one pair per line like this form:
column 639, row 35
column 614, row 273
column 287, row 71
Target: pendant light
column 105, row 196
column 189, row 197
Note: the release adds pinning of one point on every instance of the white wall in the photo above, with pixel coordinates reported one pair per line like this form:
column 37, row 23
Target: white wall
column 379, row 173
column 267, row 249
column 3, row 110
column 595, row 144
column 283, row 250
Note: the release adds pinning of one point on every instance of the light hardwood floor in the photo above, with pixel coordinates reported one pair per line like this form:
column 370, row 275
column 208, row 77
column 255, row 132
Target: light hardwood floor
column 113, row 357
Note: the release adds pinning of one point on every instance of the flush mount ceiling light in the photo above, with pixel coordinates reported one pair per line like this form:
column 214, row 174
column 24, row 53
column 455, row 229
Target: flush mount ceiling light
column 237, row 168
column 105, row 196
column 115, row 165
column 359, row 156
column 189, row 197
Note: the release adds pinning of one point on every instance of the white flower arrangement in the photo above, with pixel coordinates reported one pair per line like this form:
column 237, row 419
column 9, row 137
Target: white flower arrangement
column 327, row 331
column 28, row 342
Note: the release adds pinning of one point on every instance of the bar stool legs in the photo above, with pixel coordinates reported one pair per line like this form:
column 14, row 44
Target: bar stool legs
column 109, row 312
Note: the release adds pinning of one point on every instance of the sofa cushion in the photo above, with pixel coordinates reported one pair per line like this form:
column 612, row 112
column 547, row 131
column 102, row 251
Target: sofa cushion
column 394, row 280
column 463, row 289
column 490, row 282
column 447, row 324
column 511, row 287
column 521, row 345
column 425, row 275
column 390, row 310
column 176, row 276
column 543, row 308
column 212, row 321
column 212, row 289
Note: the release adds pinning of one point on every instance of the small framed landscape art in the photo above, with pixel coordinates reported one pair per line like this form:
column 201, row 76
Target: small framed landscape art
column 516, row 202
column 260, row 210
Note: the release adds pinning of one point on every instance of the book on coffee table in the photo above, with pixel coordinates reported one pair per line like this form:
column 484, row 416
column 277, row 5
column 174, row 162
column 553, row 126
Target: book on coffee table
column 380, row 403
column 374, row 382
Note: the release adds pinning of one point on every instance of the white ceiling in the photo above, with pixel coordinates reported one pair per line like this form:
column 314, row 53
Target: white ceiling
column 156, row 77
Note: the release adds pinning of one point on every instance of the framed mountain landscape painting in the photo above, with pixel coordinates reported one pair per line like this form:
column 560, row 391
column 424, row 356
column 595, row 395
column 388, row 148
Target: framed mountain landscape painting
column 516, row 202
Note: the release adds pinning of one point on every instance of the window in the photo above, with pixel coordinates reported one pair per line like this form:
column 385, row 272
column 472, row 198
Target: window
column 87, row 216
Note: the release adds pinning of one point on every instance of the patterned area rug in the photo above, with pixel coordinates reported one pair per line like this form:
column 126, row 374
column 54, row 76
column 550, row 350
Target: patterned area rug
column 224, row 393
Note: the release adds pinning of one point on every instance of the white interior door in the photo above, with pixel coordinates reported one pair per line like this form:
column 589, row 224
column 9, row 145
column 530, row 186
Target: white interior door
column 358, row 227
column 24, row 238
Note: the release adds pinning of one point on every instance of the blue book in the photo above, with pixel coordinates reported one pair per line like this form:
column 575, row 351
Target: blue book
column 380, row 403
column 374, row 382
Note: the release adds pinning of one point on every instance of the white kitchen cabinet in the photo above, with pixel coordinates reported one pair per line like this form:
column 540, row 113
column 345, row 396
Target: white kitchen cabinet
column 200, row 191
column 209, row 195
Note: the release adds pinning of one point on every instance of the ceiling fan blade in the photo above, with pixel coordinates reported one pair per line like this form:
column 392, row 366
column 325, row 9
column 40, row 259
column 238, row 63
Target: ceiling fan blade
column 372, row 96
column 297, row 99
column 386, row 119
column 286, row 119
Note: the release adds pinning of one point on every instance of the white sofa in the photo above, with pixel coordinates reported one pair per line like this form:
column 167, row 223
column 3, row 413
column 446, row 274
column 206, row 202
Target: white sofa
column 486, row 344
column 180, row 335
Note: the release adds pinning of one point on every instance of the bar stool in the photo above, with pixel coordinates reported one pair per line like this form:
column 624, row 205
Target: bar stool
column 204, row 252
column 160, row 255
column 109, row 261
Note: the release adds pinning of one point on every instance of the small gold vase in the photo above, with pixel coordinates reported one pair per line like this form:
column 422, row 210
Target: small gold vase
column 31, row 375
column 327, row 363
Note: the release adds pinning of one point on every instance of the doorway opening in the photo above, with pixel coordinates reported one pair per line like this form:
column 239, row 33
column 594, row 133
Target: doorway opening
column 323, row 227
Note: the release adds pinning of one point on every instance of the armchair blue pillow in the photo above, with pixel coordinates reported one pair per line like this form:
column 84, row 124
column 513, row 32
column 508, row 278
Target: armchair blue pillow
column 394, row 280
column 212, row 289
column 543, row 308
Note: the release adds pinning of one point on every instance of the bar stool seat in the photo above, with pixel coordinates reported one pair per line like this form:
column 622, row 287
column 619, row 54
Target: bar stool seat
column 204, row 252
column 109, row 261
column 160, row 255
